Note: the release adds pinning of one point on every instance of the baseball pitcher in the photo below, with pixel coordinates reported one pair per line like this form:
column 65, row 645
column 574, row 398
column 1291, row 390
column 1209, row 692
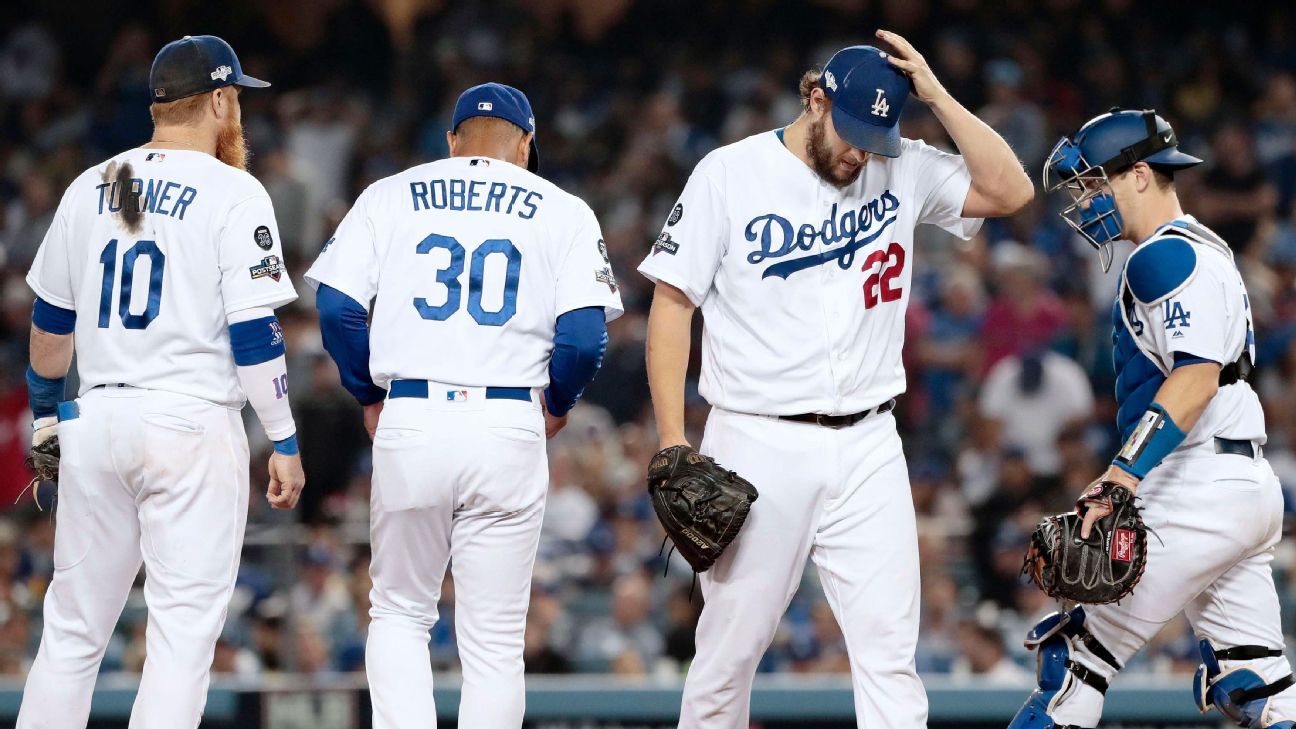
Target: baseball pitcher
column 1193, row 432
column 798, row 246
column 490, row 289
column 164, row 263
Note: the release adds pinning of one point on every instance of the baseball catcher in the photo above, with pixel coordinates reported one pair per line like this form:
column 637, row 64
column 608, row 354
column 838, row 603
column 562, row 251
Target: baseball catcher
column 1193, row 435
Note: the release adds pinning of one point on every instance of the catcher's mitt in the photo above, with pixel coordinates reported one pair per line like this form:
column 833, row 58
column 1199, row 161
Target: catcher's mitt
column 701, row 505
column 1101, row 569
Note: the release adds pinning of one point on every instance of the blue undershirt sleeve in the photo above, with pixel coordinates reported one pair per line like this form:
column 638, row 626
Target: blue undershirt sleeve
column 580, row 339
column 344, row 326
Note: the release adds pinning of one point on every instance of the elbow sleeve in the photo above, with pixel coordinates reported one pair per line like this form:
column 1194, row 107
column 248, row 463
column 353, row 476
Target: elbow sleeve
column 262, row 369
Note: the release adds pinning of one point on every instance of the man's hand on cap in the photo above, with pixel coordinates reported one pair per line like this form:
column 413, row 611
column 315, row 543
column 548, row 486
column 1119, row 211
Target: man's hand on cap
column 907, row 58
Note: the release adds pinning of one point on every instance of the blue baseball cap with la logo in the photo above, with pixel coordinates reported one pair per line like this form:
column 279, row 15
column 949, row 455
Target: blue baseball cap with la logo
column 867, row 95
column 194, row 65
column 501, row 102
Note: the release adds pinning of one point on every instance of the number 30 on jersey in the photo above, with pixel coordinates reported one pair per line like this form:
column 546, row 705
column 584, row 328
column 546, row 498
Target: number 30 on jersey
column 449, row 277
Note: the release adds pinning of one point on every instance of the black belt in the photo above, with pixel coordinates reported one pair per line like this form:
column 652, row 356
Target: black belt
column 1235, row 447
column 839, row 421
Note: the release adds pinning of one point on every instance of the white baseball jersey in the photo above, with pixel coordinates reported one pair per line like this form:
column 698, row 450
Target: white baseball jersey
column 152, row 299
column 468, row 263
column 1182, row 296
column 803, row 286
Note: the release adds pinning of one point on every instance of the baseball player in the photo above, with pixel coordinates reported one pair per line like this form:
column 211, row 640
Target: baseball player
column 798, row 245
column 490, row 290
column 1192, row 428
column 164, row 263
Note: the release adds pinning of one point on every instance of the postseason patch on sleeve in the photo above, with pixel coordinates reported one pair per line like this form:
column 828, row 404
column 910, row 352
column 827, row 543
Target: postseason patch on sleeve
column 605, row 276
column 270, row 266
column 665, row 244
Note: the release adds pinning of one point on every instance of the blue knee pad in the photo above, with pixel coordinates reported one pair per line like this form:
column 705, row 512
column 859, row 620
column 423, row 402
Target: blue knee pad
column 1240, row 693
column 1053, row 639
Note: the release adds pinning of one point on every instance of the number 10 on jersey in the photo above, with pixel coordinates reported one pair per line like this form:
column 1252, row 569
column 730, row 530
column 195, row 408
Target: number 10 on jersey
column 157, row 260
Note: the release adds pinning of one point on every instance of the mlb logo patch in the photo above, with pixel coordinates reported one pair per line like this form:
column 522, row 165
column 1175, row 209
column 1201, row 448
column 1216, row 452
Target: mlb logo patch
column 485, row 106
column 665, row 244
column 155, row 157
column 270, row 266
column 456, row 395
column 605, row 277
column 1122, row 546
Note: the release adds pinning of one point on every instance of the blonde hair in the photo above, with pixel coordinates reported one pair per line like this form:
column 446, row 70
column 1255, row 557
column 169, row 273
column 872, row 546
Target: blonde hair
column 188, row 110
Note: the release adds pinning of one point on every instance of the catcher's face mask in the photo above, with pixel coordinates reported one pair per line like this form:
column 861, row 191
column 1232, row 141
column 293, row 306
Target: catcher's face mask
column 1092, row 212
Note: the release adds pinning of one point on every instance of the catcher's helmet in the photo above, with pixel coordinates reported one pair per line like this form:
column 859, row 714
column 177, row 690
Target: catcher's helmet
column 1108, row 145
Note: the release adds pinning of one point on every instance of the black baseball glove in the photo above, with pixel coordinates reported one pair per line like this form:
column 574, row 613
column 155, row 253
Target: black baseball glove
column 44, row 458
column 1101, row 569
column 700, row 504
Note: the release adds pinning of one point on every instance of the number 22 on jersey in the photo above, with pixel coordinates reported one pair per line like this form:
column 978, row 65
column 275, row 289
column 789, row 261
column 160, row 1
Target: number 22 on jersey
column 449, row 278
column 883, row 267
column 108, row 258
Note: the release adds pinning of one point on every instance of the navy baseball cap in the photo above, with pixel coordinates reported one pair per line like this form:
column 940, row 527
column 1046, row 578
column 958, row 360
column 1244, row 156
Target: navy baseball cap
column 501, row 102
column 194, row 65
column 867, row 94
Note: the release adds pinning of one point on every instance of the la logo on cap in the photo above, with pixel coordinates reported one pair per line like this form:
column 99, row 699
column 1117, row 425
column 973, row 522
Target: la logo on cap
column 485, row 106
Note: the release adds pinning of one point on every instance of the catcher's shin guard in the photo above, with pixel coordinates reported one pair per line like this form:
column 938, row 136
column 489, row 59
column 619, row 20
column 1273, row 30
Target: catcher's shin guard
column 1054, row 639
column 1240, row 693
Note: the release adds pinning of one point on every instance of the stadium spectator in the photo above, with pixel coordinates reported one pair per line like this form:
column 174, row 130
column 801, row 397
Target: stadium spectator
column 982, row 654
column 626, row 639
column 1030, row 400
column 1024, row 316
column 1237, row 196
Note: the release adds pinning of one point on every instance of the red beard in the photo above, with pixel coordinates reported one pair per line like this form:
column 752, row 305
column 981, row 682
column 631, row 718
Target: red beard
column 231, row 147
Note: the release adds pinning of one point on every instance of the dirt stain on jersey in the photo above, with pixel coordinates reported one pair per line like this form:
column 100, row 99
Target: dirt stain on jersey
column 127, row 193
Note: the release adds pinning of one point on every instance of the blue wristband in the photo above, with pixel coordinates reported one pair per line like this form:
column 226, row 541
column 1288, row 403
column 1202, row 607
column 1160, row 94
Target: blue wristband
column 44, row 394
column 287, row 446
column 1155, row 437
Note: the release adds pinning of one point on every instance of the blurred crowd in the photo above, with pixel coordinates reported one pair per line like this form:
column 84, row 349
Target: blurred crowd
column 1009, row 410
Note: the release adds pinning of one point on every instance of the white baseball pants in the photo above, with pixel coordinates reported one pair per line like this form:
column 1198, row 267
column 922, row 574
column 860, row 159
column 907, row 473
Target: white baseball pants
column 153, row 477
column 461, row 482
column 840, row 497
column 1215, row 519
